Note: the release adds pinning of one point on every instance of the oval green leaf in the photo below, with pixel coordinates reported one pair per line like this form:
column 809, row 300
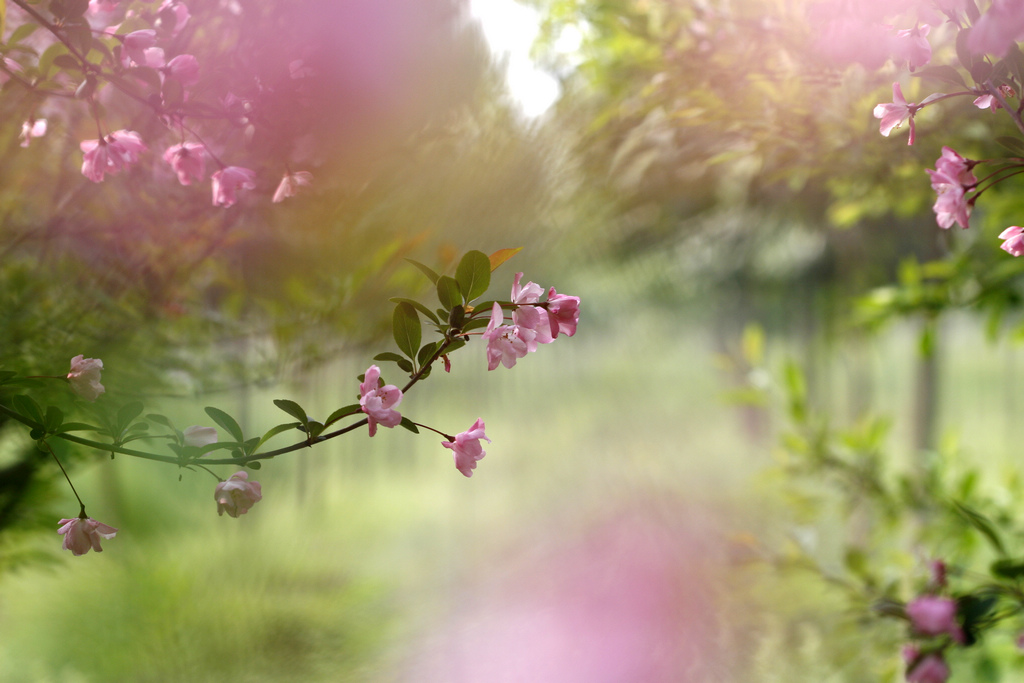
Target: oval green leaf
column 407, row 330
column 473, row 274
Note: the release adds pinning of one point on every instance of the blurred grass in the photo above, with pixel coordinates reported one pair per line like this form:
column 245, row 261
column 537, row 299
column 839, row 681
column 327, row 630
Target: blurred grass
column 364, row 552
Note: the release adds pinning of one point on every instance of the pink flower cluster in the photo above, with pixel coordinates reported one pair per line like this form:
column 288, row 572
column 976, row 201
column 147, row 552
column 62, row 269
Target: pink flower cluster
column 111, row 154
column 952, row 179
column 533, row 323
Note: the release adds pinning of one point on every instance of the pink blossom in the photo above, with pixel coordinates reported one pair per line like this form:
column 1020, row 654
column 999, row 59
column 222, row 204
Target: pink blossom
column 931, row 668
column 188, row 161
column 97, row 6
column 989, row 101
column 951, row 179
column 933, row 616
column 290, row 184
column 912, row 46
column 378, row 401
column 563, row 312
column 530, row 317
column 111, row 154
column 153, row 57
column 237, row 494
column 33, row 128
column 135, row 44
column 199, row 436
column 893, row 114
column 84, row 533
column 184, row 68
column 1000, row 27
column 506, row 343
column 1014, row 240
column 176, row 11
column 84, row 377
column 228, row 180
column 467, row 448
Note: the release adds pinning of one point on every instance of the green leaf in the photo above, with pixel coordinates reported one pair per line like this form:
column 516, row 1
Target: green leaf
column 127, row 413
column 160, row 419
column 1008, row 569
column 965, row 56
column 53, row 419
column 448, row 293
column 973, row 611
column 27, row 407
column 292, row 408
column 982, row 524
column 67, row 62
column 251, row 445
column 454, row 346
column 426, row 270
column 473, row 274
column 79, row 35
column 272, row 432
column 388, row 356
column 78, row 427
column 254, row 465
column 226, row 421
column 476, row 324
column 353, row 409
column 418, row 306
column 1015, row 145
column 314, row 429
column 407, row 329
column 426, row 352
column 407, row 423
column 6, row 375
column 457, row 317
column 502, row 255
column 943, row 73
column 46, row 59
column 19, row 34
column 405, row 365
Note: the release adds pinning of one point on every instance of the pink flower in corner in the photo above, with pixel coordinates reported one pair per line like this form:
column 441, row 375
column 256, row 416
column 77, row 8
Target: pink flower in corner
column 228, row 180
column 1014, row 240
column 188, row 161
column 290, row 184
column 378, row 402
column 82, row 534
column 931, row 615
column 467, row 448
column 506, row 343
column 84, row 377
column 237, row 494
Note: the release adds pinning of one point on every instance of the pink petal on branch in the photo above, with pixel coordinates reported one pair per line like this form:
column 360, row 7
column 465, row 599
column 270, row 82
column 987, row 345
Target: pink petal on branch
column 184, row 68
column 237, row 494
column 1013, row 240
column 378, row 402
column 467, row 449
column 84, row 377
column 83, row 534
column 227, row 181
column 188, row 161
column 199, row 436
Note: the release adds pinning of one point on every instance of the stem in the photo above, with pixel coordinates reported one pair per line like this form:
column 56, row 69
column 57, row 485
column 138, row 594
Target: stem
column 65, row 472
column 994, row 91
column 436, row 431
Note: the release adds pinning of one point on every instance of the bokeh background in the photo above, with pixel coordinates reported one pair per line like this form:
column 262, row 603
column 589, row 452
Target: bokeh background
column 705, row 175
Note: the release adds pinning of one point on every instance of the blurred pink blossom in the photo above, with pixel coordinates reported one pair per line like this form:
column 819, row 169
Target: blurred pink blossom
column 378, row 402
column 911, row 45
column 82, row 534
column 33, row 128
column 84, row 377
column 188, row 161
column 177, row 15
column 237, row 494
column 1014, row 240
column 184, row 68
column 290, row 184
column 999, row 28
column 199, row 436
column 228, row 180
column 932, row 615
column 931, row 668
column 467, row 448
column 135, row 44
